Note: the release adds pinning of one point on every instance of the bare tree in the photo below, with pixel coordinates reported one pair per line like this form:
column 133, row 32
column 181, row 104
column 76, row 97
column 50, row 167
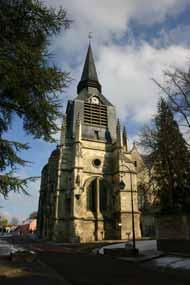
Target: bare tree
column 177, row 90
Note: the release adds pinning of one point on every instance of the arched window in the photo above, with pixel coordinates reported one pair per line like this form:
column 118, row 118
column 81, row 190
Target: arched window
column 92, row 196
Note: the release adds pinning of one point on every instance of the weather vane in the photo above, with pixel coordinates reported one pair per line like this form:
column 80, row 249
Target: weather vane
column 90, row 36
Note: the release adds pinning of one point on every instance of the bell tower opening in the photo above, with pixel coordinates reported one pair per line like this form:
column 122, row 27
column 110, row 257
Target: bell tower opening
column 95, row 114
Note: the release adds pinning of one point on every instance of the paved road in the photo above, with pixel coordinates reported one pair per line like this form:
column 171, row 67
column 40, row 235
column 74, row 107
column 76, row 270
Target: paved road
column 82, row 269
column 21, row 272
column 5, row 247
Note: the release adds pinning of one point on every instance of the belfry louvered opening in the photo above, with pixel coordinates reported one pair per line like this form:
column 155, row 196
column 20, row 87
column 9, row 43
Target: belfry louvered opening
column 95, row 114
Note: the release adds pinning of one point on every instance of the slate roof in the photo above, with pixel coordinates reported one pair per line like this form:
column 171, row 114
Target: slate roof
column 89, row 78
column 89, row 75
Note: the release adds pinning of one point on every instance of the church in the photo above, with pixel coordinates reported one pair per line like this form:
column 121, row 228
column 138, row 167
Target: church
column 89, row 185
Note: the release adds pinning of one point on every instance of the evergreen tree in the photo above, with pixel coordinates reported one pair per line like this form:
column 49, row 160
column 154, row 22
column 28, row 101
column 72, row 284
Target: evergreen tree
column 29, row 85
column 171, row 160
column 33, row 215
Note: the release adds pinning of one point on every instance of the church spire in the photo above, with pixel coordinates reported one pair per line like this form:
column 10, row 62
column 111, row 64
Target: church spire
column 89, row 76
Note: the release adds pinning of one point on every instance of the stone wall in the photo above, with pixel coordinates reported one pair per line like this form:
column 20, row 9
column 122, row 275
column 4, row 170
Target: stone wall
column 126, row 226
column 148, row 224
column 173, row 233
column 73, row 221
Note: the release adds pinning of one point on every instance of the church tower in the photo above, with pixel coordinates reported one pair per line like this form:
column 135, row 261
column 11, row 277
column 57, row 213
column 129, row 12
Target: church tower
column 89, row 185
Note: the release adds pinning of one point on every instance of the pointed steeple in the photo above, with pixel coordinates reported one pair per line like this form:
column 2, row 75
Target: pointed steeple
column 89, row 76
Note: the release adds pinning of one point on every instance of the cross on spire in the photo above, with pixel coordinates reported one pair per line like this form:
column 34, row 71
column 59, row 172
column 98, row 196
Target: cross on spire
column 90, row 36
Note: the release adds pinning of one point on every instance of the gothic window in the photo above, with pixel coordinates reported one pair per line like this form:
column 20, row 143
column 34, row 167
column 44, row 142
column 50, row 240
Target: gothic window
column 91, row 196
column 95, row 114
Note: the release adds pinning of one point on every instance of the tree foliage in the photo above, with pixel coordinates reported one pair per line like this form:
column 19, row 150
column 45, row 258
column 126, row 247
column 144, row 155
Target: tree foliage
column 33, row 215
column 29, row 84
column 3, row 221
column 171, row 160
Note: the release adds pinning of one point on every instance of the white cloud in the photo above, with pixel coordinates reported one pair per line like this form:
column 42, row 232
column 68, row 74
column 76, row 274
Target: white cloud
column 114, row 15
column 149, row 12
column 126, row 75
column 110, row 18
column 125, row 72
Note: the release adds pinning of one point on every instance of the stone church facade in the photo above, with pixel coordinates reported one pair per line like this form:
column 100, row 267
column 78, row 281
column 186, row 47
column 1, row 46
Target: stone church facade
column 89, row 185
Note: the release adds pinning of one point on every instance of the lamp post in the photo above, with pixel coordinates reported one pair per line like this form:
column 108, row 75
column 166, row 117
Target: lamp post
column 132, row 213
column 122, row 186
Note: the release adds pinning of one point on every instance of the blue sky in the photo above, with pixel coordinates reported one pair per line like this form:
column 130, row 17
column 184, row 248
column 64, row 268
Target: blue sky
column 133, row 41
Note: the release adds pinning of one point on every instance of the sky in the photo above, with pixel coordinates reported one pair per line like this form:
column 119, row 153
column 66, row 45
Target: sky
column 133, row 42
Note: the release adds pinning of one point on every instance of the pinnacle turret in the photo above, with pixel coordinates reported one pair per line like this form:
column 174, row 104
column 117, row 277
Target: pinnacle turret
column 125, row 138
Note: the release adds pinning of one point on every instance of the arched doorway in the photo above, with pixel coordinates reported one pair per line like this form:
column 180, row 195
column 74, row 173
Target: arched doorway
column 99, row 203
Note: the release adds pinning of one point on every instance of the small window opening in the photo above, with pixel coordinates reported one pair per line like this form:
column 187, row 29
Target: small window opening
column 96, row 162
column 97, row 135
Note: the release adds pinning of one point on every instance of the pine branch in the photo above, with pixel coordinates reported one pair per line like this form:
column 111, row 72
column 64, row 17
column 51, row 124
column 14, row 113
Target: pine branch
column 8, row 154
column 30, row 86
column 9, row 183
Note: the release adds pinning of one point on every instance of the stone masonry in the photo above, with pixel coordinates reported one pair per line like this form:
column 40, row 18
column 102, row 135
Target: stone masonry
column 90, row 181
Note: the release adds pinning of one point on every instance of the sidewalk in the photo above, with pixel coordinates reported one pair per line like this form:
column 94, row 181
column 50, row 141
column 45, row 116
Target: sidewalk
column 149, row 254
column 5, row 248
